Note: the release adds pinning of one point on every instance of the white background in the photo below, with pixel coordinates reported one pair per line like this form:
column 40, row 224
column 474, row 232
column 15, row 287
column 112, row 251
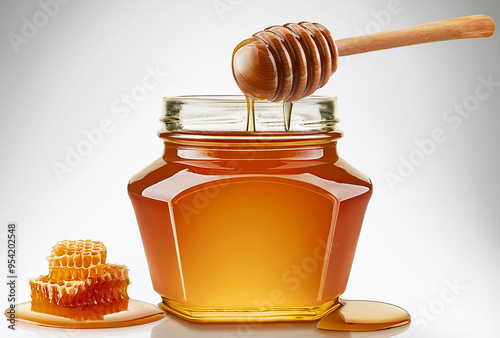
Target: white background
column 438, row 226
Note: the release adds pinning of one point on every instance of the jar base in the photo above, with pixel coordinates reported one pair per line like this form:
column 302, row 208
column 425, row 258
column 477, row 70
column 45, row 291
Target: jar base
column 232, row 315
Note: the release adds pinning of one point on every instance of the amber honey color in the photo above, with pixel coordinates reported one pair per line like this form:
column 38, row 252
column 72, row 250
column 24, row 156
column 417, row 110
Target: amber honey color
column 114, row 314
column 261, row 227
column 83, row 291
column 80, row 285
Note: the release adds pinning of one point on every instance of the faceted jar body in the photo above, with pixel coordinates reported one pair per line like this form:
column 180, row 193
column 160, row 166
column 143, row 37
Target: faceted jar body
column 241, row 226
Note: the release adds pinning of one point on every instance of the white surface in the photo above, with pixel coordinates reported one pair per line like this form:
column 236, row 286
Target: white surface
column 173, row 327
column 438, row 227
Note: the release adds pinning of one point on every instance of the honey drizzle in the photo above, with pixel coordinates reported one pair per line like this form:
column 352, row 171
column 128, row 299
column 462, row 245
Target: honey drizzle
column 287, row 114
column 250, row 113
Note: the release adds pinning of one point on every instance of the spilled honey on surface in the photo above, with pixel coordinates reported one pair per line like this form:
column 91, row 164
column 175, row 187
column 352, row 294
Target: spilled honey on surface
column 83, row 291
column 80, row 284
column 114, row 314
column 362, row 315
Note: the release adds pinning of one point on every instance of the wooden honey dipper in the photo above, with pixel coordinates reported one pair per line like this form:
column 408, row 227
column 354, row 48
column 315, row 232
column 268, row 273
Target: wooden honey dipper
column 287, row 63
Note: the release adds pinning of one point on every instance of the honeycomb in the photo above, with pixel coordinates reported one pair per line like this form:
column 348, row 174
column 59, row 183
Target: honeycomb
column 109, row 287
column 80, row 283
column 76, row 259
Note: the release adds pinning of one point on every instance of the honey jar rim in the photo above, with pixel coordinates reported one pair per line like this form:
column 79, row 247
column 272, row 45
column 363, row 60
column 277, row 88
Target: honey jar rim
column 228, row 113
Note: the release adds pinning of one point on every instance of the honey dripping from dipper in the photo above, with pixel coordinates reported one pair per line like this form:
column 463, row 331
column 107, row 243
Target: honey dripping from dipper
column 287, row 63
column 284, row 63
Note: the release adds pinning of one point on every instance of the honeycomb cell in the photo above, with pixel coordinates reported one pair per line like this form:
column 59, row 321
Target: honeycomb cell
column 110, row 287
column 77, row 259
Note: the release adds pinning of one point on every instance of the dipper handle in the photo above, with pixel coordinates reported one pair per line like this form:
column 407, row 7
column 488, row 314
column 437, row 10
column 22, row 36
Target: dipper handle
column 287, row 63
column 473, row 26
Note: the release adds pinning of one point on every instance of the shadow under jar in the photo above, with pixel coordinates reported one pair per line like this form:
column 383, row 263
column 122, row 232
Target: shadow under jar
column 249, row 226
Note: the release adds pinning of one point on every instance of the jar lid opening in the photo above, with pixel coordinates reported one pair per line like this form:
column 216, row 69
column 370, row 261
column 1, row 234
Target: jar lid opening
column 228, row 113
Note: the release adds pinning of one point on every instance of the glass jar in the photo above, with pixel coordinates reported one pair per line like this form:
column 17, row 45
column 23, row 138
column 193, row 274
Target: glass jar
column 249, row 226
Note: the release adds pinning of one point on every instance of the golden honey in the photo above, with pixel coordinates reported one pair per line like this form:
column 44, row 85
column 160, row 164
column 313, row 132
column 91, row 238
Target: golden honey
column 80, row 284
column 82, row 291
column 242, row 226
column 113, row 314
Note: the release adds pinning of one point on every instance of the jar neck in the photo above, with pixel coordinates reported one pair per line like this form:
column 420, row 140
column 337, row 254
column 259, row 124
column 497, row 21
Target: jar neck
column 249, row 146
column 212, row 113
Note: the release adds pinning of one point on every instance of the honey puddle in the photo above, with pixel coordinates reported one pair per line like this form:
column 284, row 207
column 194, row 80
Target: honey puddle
column 137, row 312
column 362, row 315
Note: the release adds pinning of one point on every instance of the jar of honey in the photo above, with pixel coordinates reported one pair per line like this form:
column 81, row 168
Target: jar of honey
column 249, row 226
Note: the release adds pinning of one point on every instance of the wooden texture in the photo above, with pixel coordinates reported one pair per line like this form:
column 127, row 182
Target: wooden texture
column 287, row 63
column 474, row 26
